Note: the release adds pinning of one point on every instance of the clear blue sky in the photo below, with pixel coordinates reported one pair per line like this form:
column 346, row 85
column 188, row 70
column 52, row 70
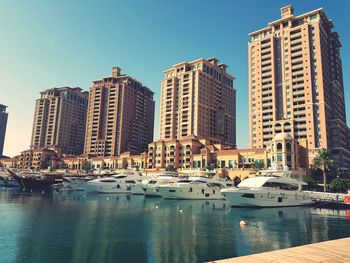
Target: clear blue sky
column 47, row 44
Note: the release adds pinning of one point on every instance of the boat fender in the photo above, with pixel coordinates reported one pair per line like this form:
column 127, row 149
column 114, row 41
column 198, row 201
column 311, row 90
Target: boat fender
column 243, row 223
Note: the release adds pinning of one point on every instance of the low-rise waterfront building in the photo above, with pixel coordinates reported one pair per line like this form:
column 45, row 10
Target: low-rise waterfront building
column 183, row 153
column 38, row 158
column 191, row 154
column 7, row 162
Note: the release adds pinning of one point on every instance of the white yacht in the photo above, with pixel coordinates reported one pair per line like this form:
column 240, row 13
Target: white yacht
column 268, row 190
column 76, row 183
column 120, row 183
column 150, row 186
column 194, row 188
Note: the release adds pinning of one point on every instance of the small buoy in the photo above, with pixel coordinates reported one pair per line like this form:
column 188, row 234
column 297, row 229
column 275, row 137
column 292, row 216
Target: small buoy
column 31, row 190
column 181, row 210
column 107, row 198
column 156, row 206
column 243, row 223
column 42, row 192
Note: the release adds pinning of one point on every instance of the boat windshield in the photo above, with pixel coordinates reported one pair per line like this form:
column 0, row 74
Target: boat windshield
column 198, row 182
column 119, row 176
column 283, row 186
column 184, row 181
column 130, row 182
column 107, row 180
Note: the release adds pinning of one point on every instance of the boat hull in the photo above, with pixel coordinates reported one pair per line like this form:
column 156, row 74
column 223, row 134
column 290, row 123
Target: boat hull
column 150, row 191
column 190, row 193
column 112, row 188
column 251, row 198
column 8, row 182
column 34, row 184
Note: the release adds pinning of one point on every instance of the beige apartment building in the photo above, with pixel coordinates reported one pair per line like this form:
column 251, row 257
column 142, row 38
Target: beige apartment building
column 38, row 158
column 296, row 84
column 120, row 116
column 59, row 120
column 193, row 154
column 198, row 98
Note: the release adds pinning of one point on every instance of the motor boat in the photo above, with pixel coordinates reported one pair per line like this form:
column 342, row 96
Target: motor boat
column 7, row 181
column 150, row 186
column 36, row 181
column 117, row 183
column 194, row 188
column 268, row 190
column 76, row 183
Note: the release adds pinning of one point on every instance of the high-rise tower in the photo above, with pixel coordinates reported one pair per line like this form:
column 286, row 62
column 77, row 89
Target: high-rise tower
column 296, row 83
column 59, row 120
column 120, row 116
column 3, row 124
column 198, row 98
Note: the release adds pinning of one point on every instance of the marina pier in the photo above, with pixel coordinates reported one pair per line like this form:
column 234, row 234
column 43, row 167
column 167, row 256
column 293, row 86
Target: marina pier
column 328, row 251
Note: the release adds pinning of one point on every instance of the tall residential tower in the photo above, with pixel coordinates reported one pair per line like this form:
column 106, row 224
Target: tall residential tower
column 296, row 83
column 3, row 124
column 198, row 98
column 120, row 116
column 59, row 120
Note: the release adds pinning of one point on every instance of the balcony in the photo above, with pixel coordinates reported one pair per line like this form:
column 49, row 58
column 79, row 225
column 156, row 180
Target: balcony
column 265, row 45
column 265, row 63
column 298, row 93
column 266, row 57
column 296, row 61
column 296, row 54
column 295, row 42
column 294, row 35
column 294, row 48
column 266, row 74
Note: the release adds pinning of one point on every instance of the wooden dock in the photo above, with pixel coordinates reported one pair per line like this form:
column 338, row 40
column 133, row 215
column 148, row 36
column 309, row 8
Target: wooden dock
column 335, row 251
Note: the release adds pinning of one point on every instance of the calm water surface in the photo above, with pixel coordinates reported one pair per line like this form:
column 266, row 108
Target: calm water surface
column 79, row 227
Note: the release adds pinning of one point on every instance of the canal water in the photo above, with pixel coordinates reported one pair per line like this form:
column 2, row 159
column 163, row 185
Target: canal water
column 78, row 227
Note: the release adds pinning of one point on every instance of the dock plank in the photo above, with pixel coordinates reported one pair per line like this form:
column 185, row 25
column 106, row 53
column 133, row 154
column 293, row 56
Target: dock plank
column 335, row 251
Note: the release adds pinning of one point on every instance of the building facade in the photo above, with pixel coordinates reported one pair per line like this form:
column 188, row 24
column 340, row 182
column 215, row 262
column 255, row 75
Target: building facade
column 59, row 120
column 3, row 124
column 179, row 153
column 120, row 116
column 296, row 84
column 198, row 98
column 38, row 158
column 192, row 154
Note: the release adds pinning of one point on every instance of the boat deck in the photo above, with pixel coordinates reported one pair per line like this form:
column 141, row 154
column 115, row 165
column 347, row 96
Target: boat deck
column 335, row 251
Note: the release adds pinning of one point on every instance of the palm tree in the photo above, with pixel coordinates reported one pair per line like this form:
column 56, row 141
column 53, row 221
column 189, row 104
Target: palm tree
column 324, row 162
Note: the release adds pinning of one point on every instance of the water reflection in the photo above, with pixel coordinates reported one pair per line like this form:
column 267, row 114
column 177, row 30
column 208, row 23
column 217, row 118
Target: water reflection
column 79, row 227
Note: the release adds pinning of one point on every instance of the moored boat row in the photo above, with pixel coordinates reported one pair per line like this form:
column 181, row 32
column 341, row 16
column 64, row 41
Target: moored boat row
column 265, row 190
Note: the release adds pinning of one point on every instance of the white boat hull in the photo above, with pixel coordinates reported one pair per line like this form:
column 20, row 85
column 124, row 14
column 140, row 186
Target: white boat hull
column 112, row 188
column 258, row 198
column 192, row 193
column 76, row 185
column 150, row 191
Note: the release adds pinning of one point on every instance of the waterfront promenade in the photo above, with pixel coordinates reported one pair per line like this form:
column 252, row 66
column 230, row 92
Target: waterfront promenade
column 335, row 251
